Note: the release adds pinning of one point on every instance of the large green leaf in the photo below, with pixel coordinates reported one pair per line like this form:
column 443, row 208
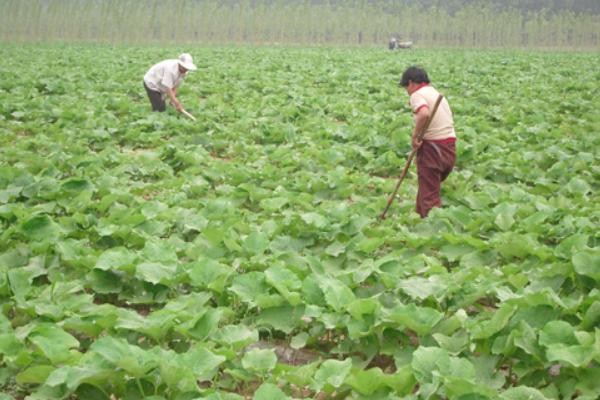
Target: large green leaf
column 286, row 282
column 155, row 272
column 249, row 286
column 261, row 361
column 454, row 344
column 526, row 338
column 34, row 375
column 333, row 373
column 182, row 372
column 427, row 360
column 237, row 336
column 558, row 337
column 201, row 361
column 208, row 273
column 285, row 318
column 256, row 243
column 105, row 281
column 366, row 382
column 53, row 342
column 505, row 215
column 557, row 332
column 160, row 251
column 402, row 381
column 118, row 258
column 40, row 228
column 577, row 356
column 268, row 391
column 420, row 288
column 132, row 359
column 337, row 295
column 499, row 320
column 201, row 327
column 315, row 219
column 522, row 392
column 73, row 376
column 587, row 263
column 419, row 319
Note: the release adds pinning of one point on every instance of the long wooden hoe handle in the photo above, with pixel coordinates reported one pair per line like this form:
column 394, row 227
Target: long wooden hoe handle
column 412, row 155
column 187, row 114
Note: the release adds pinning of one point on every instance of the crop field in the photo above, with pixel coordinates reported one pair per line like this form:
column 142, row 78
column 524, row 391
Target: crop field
column 241, row 256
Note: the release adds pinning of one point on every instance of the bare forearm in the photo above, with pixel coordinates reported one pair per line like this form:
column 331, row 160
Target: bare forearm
column 420, row 122
column 172, row 96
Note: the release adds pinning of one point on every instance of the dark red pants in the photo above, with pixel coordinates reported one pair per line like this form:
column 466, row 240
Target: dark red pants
column 434, row 163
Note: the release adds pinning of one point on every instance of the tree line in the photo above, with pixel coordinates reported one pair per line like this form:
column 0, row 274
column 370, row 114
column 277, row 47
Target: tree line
column 452, row 23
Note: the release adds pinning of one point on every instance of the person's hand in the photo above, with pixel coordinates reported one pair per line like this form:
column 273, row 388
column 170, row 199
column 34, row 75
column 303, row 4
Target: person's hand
column 416, row 143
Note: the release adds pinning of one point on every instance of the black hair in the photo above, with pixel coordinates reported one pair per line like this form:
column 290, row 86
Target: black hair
column 415, row 74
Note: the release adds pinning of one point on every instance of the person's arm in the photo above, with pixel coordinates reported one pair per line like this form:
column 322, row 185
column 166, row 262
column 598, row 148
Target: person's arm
column 420, row 121
column 173, row 97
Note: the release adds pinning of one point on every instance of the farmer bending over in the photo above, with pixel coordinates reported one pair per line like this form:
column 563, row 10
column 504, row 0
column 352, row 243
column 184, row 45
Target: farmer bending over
column 436, row 153
column 163, row 79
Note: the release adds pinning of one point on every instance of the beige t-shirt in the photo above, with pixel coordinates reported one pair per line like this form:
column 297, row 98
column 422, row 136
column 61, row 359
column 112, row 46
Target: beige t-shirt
column 164, row 75
column 442, row 124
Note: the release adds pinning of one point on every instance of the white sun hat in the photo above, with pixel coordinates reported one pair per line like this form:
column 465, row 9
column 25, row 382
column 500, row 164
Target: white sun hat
column 185, row 60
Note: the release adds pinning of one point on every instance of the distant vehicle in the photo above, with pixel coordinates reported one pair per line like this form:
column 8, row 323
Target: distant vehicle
column 394, row 44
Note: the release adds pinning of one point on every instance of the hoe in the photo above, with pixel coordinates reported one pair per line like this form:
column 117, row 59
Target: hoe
column 411, row 156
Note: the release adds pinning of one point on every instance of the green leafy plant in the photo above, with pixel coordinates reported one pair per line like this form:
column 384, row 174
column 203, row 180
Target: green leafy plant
column 241, row 256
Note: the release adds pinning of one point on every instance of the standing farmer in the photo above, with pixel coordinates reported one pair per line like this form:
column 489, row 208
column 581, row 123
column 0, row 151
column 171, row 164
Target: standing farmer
column 163, row 79
column 436, row 153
